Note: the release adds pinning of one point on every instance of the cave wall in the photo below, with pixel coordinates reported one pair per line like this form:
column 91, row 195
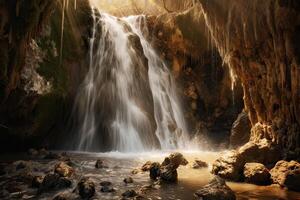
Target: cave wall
column 260, row 42
column 205, row 86
column 31, row 32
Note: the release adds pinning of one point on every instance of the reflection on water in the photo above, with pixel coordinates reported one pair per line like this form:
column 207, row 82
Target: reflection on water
column 120, row 166
column 190, row 179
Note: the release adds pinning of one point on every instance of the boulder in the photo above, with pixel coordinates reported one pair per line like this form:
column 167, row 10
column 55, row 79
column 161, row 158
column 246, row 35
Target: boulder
column 240, row 131
column 167, row 171
column 86, row 188
column 54, row 182
column 100, row 164
column 287, row 174
column 215, row 190
column 231, row 164
column 64, row 170
column 257, row 173
column 174, row 160
column 228, row 166
column 168, row 174
column 199, row 164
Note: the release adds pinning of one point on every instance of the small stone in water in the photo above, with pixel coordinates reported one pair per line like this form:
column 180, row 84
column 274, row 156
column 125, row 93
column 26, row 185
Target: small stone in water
column 199, row 164
column 146, row 166
column 129, row 193
column 86, row 188
column 128, row 180
column 100, row 164
column 105, row 183
column 107, row 189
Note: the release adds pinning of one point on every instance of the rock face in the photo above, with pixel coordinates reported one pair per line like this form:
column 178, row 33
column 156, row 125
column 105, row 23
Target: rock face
column 287, row 174
column 240, row 131
column 211, row 106
column 37, row 81
column 215, row 190
column 260, row 42
column 231, row 165
column 257, row 173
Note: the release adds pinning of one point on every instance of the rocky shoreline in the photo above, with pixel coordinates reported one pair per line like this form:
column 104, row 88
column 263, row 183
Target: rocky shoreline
column 63, row 176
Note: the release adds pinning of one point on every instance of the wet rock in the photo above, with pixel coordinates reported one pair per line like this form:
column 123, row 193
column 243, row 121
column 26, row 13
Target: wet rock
column 128, row 180
column 231, row 163
column 167, row 171
column 199, row 164
column 105, row 183
column 174, row 160
column 64, row 170
column 256, row 173
column 37, row 181
column 215, row 190
column 228, row 166
column 54, row 182
column 240, row 131
column 154, row 170
column 146, row 166
column 100, row 164
column 168, row 174
column 107, row 189
column 129, row 194
column 287, row 174
column 86, row 188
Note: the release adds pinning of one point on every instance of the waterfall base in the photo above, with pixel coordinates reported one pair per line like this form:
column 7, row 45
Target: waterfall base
column 117, row 167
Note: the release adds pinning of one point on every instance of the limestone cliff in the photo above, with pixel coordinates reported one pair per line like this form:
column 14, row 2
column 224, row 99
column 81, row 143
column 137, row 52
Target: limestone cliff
column 205, row 84
column 260, row 41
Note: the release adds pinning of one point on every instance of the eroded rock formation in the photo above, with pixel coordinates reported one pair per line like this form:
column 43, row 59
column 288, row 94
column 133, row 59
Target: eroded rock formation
column 37, row 78
column 260, row 42
column 182, row 39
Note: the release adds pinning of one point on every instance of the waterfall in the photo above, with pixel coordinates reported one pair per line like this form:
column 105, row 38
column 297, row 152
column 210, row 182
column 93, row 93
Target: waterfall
column 128, row 100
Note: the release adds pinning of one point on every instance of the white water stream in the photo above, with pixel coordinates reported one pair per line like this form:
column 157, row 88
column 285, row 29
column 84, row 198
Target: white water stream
column 128, row 99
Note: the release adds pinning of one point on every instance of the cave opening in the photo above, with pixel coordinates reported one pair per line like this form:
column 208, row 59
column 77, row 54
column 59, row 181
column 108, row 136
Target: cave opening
column 149, row 99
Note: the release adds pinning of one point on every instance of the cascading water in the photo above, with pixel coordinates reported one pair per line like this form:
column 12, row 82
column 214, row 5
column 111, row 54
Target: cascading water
column 128, row 99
